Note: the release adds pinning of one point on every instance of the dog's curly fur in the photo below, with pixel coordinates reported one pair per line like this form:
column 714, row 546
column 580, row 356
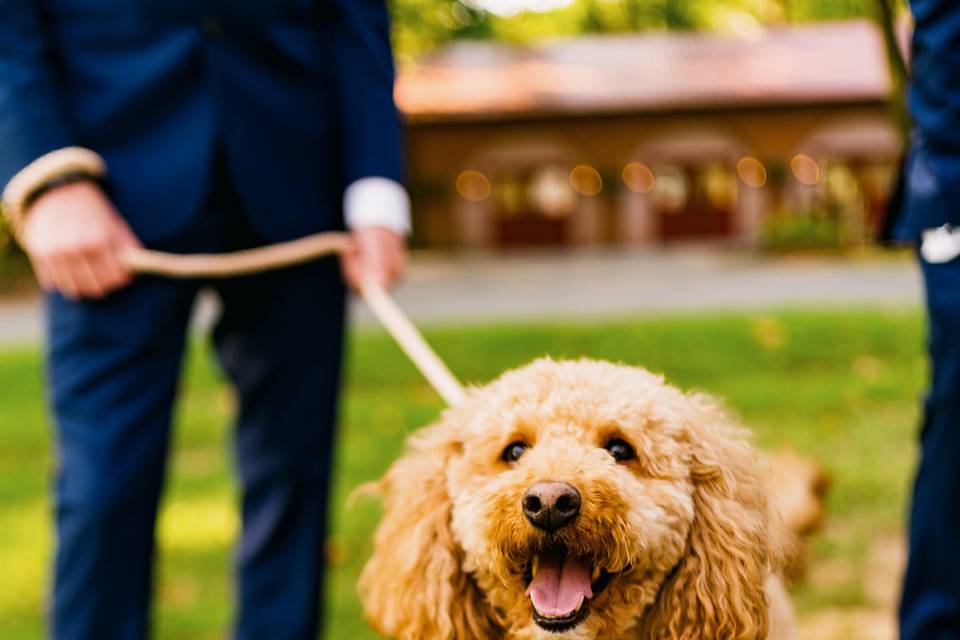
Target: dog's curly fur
column 683, row 528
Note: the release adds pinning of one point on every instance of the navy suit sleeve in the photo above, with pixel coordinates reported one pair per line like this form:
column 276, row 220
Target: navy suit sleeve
column 32, row 122
column 364, row 76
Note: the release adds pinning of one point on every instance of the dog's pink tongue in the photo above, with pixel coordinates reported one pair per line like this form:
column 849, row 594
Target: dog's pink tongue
column 557, row 588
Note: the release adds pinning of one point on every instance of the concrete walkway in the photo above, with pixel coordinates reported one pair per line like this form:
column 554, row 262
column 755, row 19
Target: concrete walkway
column 443, row 289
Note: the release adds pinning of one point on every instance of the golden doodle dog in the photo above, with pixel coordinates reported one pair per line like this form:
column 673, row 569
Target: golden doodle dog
column 577, row 500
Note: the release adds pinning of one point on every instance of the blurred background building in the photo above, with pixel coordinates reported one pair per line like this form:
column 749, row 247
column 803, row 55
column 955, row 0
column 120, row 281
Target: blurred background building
column 651, row 138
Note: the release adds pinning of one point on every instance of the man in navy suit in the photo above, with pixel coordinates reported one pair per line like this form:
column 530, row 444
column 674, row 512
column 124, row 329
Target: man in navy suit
column 929, row 216
column 195, row 125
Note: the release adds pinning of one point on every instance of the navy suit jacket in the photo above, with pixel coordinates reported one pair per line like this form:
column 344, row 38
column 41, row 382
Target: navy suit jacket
column 297, row 95
column 931, row 182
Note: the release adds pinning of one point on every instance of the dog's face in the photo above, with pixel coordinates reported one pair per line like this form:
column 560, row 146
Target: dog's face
column 578, row 500
column 572, row 497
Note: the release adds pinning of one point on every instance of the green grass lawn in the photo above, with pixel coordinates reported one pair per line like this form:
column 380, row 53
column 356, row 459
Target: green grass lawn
column 839, row 386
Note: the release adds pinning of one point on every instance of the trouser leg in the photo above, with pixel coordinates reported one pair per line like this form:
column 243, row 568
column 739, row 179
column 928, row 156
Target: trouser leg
column 112, row 366
column 930, row 607
column 280, row 341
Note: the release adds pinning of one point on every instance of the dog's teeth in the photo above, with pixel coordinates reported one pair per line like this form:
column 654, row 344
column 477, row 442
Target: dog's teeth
column 535, row 566
column 595, row 574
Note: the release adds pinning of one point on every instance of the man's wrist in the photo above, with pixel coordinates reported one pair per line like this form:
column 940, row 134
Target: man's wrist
column 53, row 170
column 53, row 184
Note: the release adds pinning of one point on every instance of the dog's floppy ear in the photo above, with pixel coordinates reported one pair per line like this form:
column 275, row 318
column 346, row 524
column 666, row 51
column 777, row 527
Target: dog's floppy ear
column 414, row 587
column 717, row 592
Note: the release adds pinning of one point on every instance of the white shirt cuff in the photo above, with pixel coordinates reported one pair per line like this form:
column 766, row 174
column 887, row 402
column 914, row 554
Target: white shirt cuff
column 377, row 202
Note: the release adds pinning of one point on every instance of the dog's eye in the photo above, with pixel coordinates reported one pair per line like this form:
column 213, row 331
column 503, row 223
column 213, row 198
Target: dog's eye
column 620, row 450
column 514, row 451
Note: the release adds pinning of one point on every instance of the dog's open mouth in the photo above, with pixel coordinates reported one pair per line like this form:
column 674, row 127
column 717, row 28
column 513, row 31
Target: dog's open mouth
column 561, row 587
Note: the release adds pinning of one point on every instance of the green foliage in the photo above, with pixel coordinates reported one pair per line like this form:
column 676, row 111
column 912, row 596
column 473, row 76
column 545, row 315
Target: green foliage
column 838, row 386
column 421, row 25
column 803, row 10
column 801, row 231
column 14, row 267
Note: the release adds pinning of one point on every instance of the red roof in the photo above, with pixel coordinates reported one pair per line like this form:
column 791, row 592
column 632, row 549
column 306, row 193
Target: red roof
column 818, row 63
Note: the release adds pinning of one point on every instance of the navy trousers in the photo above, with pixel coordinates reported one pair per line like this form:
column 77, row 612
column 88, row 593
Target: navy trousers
column 113, row 367
column 930, row 607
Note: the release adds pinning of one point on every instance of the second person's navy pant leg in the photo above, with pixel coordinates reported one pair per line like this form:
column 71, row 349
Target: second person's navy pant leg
column 930, row 608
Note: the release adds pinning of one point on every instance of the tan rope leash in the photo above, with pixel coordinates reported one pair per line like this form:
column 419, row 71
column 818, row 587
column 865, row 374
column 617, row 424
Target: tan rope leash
column 237, row 263
column 287, row 254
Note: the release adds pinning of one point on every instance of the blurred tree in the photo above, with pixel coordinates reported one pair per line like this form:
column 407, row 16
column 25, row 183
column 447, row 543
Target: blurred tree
column 420, row 25
column 887, row 13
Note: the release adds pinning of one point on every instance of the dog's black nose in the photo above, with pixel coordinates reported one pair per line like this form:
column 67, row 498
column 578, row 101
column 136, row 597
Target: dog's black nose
column 551, row 505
